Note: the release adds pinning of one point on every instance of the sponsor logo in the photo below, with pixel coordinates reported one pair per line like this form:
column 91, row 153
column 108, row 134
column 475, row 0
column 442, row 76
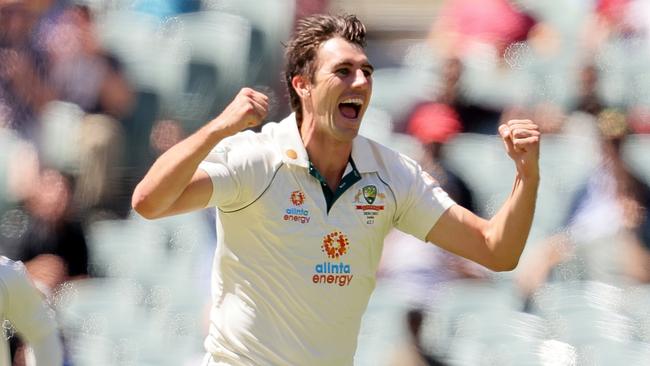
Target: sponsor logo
column 371, row 204
column 297, row 198
column 297, row 213
column 335, row 245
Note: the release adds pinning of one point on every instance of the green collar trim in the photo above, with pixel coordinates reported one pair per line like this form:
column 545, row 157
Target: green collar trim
column 348, row 181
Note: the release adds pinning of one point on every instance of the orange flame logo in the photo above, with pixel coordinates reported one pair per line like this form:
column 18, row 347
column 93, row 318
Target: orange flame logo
column 335, row 244
column 297, row 198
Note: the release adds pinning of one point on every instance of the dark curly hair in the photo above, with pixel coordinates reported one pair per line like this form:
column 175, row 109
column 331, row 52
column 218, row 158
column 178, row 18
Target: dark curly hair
column 302, row 48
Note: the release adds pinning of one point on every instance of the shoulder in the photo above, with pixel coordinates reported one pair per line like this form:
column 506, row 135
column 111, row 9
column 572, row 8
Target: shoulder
column 388, row 163
column 11, row 270
column 246, row 148
column 242, row 142
column 13, row 274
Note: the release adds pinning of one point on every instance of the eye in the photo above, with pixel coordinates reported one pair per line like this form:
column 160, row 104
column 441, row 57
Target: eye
column 343, row 71
column 367, row 72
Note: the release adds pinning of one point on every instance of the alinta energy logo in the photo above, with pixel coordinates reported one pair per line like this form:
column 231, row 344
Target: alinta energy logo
column 297, row 213
column 335, row 245
column 297, row 198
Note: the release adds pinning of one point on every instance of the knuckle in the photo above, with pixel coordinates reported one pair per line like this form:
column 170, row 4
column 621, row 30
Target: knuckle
column 247, row 92
column 248, row 107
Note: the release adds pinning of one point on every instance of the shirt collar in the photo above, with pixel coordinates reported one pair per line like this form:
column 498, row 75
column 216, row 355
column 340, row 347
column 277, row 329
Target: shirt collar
column 364, row 155
column 287, row 138
column 293, row 150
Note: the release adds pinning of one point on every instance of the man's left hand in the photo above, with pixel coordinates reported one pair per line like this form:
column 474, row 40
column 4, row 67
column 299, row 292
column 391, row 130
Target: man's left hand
column 521, row 139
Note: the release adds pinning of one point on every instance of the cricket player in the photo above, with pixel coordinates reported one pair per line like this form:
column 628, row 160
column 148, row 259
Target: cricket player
column 304, row 205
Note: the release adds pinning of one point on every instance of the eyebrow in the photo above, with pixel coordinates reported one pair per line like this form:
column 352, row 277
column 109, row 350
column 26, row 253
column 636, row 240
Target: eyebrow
column 366, row 65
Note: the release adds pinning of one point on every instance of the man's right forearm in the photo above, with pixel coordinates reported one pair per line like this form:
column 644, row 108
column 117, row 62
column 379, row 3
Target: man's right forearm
column 172, row 171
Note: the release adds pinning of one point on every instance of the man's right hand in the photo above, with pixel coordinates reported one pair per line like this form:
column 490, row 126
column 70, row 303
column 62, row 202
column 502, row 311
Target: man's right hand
column 248, row 109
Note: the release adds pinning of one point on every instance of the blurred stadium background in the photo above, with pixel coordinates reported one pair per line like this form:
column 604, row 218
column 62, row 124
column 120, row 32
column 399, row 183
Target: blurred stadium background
column 92, row 91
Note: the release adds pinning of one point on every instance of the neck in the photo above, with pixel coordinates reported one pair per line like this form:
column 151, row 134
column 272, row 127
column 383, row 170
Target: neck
column 328, row 155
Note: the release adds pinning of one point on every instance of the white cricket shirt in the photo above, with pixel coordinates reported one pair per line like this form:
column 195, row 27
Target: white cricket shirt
column 22, row 305
column 290, row 279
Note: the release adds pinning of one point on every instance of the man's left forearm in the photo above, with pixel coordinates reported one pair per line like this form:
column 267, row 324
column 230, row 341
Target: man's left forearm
column 508, row 230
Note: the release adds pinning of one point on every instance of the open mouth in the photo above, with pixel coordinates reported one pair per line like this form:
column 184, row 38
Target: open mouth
column 351, row 107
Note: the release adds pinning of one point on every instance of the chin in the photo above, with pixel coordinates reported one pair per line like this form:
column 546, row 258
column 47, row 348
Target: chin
column 347, row 135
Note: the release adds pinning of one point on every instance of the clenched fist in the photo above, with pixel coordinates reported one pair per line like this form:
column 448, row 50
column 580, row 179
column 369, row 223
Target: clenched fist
column 248, row 109
column 521, row 139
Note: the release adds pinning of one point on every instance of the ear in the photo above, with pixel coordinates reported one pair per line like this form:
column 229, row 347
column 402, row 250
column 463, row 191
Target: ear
column 301, row 85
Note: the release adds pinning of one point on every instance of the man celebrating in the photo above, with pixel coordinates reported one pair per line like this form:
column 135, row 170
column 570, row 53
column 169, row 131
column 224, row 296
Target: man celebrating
column 303, row 206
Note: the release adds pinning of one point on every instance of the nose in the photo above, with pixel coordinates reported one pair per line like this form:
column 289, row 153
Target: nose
column 360, row 79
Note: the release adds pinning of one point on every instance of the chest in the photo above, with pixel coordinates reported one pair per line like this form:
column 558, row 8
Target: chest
column 297, row 201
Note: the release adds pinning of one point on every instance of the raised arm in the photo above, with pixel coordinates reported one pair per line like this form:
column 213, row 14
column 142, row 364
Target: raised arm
column 498, row 243
column 173, row 184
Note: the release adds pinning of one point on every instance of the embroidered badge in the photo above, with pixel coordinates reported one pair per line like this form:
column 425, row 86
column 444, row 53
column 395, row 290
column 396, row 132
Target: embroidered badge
column 373, row 202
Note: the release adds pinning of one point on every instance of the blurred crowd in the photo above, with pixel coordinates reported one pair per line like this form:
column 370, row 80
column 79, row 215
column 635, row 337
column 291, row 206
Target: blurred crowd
column 92, row 91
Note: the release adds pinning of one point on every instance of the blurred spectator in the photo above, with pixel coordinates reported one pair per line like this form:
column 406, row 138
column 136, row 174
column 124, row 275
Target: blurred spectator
column 451, row 102
column 50, row 52
column 419, row 266
column 411, row 353
column 463, row 25
column 447, row 114
column 582, row 114
column 608, row 231
column 434, row 124
column 23, row 92
column 99, row 185
column 23, row 83
column 51, row 243
column 423, row 122
column 612, row 13
column 81, row 71
column 588, row 99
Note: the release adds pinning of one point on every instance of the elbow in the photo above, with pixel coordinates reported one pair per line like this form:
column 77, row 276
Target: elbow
column 503, row 255
column 504, row 265
column 504, row 262
column 142, row 205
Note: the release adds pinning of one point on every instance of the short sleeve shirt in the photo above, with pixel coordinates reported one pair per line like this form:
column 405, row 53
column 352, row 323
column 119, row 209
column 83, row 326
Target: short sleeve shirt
column 21, row 303
column 293, row 273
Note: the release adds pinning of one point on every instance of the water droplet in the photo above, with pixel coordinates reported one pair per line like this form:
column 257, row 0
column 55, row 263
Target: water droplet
column 517, row 55
column 14, row 224
column 8, row 329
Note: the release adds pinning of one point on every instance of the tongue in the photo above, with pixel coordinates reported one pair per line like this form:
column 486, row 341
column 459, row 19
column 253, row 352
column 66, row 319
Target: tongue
column 348, row 111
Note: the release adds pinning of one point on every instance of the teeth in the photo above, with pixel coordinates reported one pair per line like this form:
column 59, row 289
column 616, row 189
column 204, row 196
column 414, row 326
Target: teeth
column 357, row 101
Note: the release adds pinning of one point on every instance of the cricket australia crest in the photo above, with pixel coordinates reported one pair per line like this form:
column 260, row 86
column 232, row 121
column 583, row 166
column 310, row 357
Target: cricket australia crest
column 374, row 202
